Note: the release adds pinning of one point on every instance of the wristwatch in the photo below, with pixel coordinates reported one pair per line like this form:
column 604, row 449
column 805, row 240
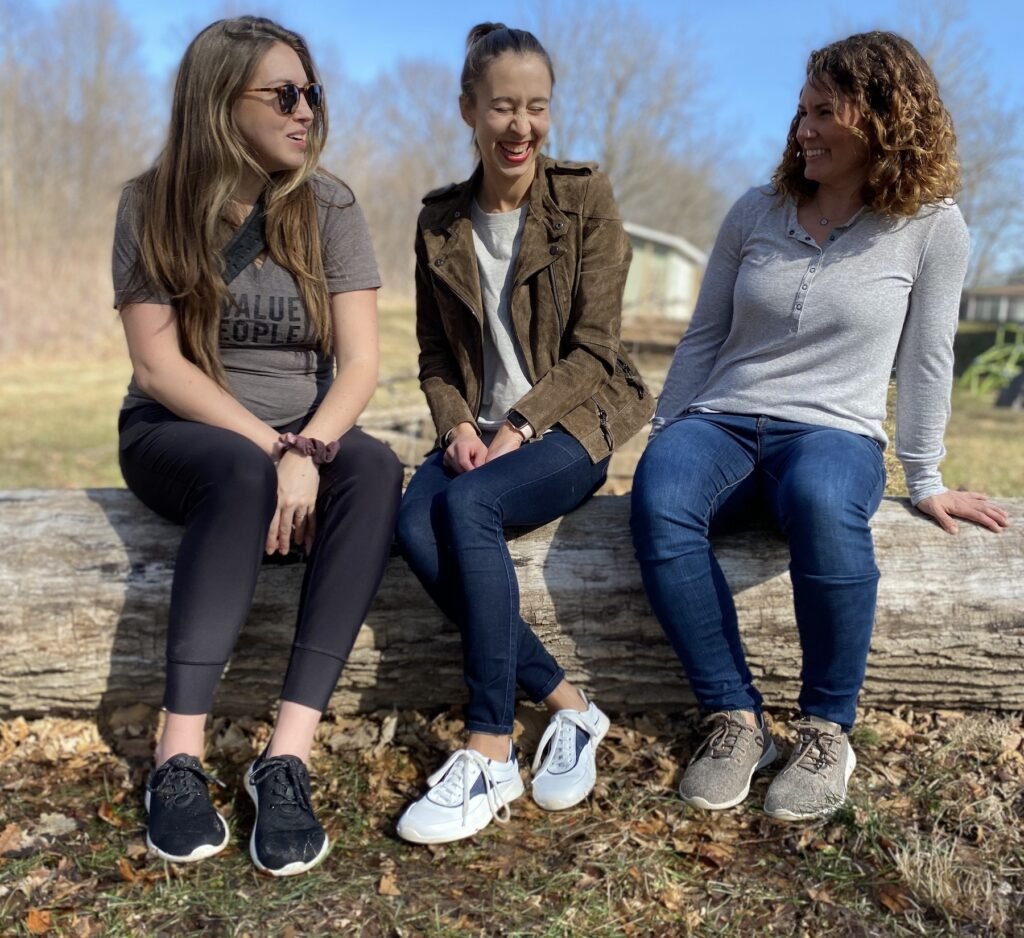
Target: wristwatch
column 520, row 424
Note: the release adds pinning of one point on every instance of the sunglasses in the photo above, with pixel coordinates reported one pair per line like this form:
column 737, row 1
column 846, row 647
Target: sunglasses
column 288, row 95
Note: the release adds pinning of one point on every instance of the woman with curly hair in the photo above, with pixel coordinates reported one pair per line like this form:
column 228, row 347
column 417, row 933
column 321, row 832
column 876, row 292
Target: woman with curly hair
column 246, row 283
column 851, row 260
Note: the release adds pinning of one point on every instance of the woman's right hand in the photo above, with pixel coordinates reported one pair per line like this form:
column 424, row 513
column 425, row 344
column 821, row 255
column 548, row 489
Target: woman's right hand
column 465, row 451
column 298, row 481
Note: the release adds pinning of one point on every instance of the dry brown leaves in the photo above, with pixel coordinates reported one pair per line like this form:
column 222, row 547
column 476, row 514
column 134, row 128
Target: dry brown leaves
column 663, row 867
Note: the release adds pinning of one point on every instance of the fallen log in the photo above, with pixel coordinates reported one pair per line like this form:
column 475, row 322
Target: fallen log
column 85, row 577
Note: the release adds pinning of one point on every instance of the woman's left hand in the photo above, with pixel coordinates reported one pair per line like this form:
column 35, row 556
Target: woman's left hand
column 971, row 506
column 298, row 481
column 506, row 440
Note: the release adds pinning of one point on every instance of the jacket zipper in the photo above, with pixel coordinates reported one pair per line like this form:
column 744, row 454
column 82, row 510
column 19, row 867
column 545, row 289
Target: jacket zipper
column 558, row 302
column 602, row 418
column 469, row 306
column 632, row 380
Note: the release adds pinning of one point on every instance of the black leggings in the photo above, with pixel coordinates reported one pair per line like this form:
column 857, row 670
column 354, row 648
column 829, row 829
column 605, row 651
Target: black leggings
column 223, row 488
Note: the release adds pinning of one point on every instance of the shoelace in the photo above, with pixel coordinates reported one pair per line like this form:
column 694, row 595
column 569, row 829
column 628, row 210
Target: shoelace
column 182, row 783
column 725, row 737
column 562, row 755
column 810, row 738
column 449, row 787
column 286, row 788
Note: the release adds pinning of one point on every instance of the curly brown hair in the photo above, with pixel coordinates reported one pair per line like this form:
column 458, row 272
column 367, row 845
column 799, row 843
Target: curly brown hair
column 910, row 136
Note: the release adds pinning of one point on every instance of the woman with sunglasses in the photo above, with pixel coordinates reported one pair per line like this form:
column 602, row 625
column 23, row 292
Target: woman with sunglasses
column 851, row 261
column 519, row 278
column 245, row 279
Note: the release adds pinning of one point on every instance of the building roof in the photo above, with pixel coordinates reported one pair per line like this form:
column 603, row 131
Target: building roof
column 1007, row 289
column 689, row 251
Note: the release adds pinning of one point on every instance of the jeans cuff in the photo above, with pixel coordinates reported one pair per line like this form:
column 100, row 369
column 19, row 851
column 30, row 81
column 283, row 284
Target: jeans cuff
column 495, row 729
column 549, row 687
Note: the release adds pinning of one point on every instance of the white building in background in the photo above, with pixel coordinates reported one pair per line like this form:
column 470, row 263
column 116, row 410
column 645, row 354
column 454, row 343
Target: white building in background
column 996, row 305
column 664, row 277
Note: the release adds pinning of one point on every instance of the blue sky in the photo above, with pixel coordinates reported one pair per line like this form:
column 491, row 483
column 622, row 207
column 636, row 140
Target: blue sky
column 752, row 51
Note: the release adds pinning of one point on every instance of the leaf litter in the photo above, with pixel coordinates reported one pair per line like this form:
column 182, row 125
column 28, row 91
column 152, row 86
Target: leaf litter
column 937, row 801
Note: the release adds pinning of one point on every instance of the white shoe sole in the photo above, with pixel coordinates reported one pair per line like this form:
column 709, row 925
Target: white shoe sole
column 782, row 814
column 509, row 791
column 200, row 853
column 770, row 755
column 561, row 804
column 292, row 869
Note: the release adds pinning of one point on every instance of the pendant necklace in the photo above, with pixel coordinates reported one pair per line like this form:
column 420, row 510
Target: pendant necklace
column 822, row 220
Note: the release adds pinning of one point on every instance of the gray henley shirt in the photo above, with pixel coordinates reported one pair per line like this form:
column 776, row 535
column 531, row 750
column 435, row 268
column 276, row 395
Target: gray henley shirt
column 787, row 329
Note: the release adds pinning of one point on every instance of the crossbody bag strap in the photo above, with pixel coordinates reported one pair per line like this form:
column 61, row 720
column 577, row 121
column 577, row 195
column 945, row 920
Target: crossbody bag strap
column 249, row 242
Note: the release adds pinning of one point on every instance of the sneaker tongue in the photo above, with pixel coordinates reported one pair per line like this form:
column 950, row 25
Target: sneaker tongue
column 179, row 786
column 449, row 791
column 566, row 748
column 820, row 748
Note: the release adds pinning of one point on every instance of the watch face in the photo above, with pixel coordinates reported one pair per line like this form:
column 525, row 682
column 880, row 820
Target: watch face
column 517, row 419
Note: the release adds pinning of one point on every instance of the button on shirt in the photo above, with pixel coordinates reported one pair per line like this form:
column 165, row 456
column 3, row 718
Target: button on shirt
column 799, row 332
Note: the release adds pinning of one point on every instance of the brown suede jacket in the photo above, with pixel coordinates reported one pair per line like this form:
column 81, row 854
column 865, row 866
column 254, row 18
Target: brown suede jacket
column 566, row 307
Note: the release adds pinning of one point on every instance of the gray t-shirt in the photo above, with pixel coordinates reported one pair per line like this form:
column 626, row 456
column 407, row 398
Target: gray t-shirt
column 787, row 329
column 271, row 359
column 497, row 239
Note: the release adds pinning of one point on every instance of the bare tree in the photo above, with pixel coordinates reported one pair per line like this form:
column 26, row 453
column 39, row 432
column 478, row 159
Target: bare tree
column 627, row 98
column 394, row 140
column 990, row 132
column 64, row 163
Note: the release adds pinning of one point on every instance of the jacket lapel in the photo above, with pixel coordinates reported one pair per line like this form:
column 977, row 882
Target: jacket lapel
column 545, row 227
column 450, row 250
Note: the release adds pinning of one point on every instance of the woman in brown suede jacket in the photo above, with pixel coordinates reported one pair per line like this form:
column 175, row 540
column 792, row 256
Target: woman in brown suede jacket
column 519, row 278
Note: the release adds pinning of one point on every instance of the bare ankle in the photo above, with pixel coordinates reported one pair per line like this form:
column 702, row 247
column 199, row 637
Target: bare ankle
column 565, row 697
column 490, row 746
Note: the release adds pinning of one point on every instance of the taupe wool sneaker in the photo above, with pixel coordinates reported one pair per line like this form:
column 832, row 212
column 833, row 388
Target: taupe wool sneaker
column 813, row 783
column 720, row 771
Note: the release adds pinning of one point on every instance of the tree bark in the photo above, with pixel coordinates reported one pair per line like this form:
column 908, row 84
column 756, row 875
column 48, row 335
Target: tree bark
column 86, row 577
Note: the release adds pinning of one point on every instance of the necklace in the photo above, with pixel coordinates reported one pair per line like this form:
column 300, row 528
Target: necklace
column 822, row 220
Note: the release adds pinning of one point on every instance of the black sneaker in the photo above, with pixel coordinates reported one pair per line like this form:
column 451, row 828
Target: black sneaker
column 286, row 837
column 183, row 825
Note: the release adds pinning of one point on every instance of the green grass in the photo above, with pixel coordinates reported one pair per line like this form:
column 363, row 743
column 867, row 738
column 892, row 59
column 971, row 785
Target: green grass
column 58, row 422
column 985, row 446
column 57, row 418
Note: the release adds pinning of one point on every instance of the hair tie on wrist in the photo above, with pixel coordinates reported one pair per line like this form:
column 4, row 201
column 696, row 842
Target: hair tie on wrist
column 316, row 450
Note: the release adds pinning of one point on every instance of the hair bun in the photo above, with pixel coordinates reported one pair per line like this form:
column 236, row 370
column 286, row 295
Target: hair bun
column 481, row 30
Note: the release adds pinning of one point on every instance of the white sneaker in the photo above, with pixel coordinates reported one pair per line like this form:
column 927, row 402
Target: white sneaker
column 464, row 796
column 564, row 769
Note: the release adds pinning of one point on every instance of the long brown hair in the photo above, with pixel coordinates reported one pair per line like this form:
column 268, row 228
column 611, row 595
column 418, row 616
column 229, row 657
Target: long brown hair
column 910, row 136
column 184, row 197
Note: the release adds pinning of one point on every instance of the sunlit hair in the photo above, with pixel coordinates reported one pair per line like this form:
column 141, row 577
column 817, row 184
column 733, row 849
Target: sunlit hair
column 186, row 195
column 911, row 142
column 485, row 43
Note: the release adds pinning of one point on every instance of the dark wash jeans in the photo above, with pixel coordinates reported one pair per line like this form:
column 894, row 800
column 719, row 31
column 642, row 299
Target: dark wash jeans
column 451, row 531
column 820, row 486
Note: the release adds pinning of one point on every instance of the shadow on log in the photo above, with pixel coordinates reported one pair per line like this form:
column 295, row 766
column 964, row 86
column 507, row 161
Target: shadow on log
column 86, row 578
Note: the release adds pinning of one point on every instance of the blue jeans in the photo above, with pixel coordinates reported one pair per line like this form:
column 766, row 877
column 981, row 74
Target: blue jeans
column 451, row 532
column 820, row 486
